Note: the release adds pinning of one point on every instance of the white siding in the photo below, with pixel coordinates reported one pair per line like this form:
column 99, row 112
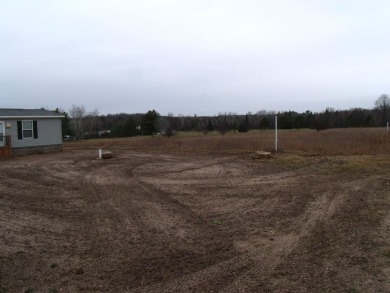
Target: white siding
column 49, row 133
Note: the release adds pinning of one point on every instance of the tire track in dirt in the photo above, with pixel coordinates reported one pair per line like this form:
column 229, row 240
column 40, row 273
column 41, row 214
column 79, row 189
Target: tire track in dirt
column 274, row 254
column 224, row 273
column 262, row 255
column 37, row 220
column 163, row 223
column 129, row 213
column 319, row 233
column 22, row 214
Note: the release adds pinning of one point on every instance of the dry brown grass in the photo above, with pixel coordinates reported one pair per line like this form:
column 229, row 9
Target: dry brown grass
column 367, row 141
column 351, row 141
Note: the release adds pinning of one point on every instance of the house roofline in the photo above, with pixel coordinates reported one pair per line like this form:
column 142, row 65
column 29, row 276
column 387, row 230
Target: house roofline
column 34, row 117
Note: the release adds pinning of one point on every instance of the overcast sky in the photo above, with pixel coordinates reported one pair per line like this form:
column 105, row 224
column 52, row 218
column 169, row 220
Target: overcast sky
column 194, row 57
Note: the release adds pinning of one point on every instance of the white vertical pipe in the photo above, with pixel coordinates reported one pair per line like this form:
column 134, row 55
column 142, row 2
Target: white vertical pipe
column 100, row 153
column 276, row 133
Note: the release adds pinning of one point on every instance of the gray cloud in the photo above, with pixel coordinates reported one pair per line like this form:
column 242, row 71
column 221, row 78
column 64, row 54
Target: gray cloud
column 193, row 57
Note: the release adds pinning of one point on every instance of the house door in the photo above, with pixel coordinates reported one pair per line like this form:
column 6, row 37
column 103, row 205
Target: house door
column 2, row 133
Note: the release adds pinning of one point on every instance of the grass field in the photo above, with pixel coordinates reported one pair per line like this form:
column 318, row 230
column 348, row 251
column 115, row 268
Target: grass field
column 351, row 141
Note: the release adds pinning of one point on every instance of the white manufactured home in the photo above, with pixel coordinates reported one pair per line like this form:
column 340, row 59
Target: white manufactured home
column 25, row 131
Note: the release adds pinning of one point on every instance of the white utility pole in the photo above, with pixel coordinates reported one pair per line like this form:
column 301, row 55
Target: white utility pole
column 276, row 133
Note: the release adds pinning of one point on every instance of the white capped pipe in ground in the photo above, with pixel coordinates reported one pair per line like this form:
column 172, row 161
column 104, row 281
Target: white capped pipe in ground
column 100, row 153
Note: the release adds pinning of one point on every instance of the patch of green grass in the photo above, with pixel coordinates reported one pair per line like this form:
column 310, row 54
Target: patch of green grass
column 194, row 133
column 291, row 159
column 217, row 222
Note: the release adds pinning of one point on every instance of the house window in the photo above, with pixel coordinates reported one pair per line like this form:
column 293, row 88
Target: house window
column 27, row 128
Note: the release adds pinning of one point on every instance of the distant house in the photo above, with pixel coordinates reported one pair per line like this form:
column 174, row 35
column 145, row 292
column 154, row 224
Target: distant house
column 25, row 131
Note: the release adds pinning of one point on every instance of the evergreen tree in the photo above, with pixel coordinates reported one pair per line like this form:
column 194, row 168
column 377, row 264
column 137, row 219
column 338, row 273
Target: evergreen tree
column 264, row 123
column 66, row 129
column 210, row 126
column 244, row 127
column 149, row 122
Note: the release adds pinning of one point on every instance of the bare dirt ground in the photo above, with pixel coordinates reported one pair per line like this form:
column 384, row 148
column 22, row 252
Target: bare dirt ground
column 163, row 222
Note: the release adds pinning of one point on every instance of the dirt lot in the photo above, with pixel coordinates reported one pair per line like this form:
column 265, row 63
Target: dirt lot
column 164, row 222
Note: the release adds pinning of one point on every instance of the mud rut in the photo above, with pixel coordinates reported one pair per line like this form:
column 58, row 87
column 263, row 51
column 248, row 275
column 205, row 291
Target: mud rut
column 162, row 223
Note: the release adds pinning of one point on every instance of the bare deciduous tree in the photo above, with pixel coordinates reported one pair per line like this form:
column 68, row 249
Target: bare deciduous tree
column 382, row 104
column 77, row 114
column 221, row 124
column 90, row 122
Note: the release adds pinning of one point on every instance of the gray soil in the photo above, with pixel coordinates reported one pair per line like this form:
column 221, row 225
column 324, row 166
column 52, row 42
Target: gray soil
column 144, row 222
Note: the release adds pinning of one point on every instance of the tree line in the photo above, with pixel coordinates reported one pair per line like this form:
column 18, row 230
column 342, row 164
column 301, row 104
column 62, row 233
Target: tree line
column 82, row 124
